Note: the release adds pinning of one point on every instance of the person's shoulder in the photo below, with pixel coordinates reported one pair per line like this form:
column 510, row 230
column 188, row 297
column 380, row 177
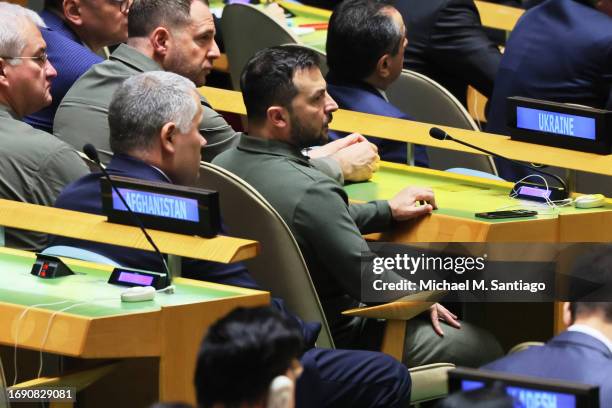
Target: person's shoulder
column 255, row 164
column 27, row 141
column 97, row 84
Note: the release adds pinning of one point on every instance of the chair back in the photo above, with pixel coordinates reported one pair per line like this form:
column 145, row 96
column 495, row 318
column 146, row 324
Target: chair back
column 92, row 165
column 427, row 101
column 4, row 401
column 322, row 56
column 238, row 25
column 280, row 267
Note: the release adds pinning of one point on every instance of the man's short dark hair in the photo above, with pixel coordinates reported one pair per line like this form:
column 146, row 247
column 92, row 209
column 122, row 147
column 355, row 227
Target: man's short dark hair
column 146, row 15
column 594, row 267
column 242, row 353
column 267, row 79
column 54, row 5
column 360, row 33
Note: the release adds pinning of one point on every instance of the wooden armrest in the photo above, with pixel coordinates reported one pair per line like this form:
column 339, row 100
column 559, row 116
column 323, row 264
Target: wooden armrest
column 429, row 381
column 79, row 380
column 404, row 308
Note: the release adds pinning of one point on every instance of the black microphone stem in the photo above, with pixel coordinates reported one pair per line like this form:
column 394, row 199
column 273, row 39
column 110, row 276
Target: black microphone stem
column 559, row 179
column 92, row 153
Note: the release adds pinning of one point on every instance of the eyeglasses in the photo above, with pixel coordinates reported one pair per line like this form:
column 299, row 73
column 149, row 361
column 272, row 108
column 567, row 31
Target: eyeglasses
column 41, row 59
column 124, row 5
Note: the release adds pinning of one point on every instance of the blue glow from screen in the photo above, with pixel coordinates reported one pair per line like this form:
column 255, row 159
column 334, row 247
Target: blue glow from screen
column 529, row 397
column 534, row 192
column 158, row 205
column 554, row 122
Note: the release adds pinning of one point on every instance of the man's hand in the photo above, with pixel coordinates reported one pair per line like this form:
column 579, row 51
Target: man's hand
column 358, row 161
column 333, row 147
column 358, row 158
column 438, row 312
column 404, row 205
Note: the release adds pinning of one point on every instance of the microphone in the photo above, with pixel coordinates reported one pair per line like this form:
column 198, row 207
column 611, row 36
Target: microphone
column 439, row 134
column 92, row 153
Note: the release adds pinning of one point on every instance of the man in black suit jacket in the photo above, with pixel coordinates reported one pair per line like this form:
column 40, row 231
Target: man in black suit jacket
column 446, row 42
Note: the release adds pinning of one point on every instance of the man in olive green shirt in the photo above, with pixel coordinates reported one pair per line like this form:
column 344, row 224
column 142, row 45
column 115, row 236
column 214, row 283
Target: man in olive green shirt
column 34, row 165
column 183, row 44
column 288, row 108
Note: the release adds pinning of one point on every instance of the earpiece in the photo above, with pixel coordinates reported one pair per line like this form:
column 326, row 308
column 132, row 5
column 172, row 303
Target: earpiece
column 280, row 393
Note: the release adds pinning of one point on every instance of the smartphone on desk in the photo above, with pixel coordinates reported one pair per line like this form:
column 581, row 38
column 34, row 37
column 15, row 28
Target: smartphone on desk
column 496, row 215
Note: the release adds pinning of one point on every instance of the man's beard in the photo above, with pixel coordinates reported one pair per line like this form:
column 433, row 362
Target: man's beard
column 304, row 136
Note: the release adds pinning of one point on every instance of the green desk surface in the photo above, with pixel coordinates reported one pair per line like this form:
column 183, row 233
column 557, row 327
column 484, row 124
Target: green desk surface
column 90, row 285
column 456, row 195
column 303, row 15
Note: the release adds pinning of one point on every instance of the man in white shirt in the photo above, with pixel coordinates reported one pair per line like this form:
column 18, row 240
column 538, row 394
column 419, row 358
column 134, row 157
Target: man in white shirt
column 582, row 353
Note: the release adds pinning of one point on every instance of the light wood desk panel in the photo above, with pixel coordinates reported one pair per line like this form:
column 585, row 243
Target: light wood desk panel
column 418, row 132
column 91, row 227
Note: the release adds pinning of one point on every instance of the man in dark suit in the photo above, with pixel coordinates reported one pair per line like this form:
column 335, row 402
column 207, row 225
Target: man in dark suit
column 153, row 120
column 582, row 353
column 365, row 48
column 559, row 51
column 446, row 42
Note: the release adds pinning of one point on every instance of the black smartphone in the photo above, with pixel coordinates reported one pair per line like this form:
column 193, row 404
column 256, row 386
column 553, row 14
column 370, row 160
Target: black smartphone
column 495, row 215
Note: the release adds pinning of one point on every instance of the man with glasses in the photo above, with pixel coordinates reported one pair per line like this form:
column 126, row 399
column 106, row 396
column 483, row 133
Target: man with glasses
column 34, row 165
column 76, row 34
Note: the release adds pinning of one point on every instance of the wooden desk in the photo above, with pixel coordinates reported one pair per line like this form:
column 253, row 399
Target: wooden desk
column 492, row 15
column 460, row 197
column 498, row 16
column 418, row 132
column 90, row 227
column 169, row 327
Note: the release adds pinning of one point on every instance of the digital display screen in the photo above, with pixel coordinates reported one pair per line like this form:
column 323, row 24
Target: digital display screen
column 158, row 205
column 529, row 397
column 555, row 122
column 135, row 278
column 534, row 192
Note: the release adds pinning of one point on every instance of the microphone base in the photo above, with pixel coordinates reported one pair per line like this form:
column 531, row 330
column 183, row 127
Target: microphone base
column 538, row 192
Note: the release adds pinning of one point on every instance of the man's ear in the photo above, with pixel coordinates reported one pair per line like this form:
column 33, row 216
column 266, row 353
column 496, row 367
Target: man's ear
column 160, row 39
column 568, row 319
column 278, row 116
column 3, row 77
column 167, row 137
column 72, row 12
column 383, row 66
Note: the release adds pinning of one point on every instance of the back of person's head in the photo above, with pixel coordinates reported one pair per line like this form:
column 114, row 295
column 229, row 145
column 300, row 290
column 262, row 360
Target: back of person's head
column 594, row 271
column 242, row 354
column 170, row 405
column 146, row 15
column 143, row 104
column 267, row 79
column 13, row 20
column 360, row 33
column 487, row 397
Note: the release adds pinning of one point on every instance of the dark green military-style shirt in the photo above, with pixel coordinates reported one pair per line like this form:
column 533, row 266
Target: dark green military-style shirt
column 82, row 116
column 34, row 168
column 316, row 209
